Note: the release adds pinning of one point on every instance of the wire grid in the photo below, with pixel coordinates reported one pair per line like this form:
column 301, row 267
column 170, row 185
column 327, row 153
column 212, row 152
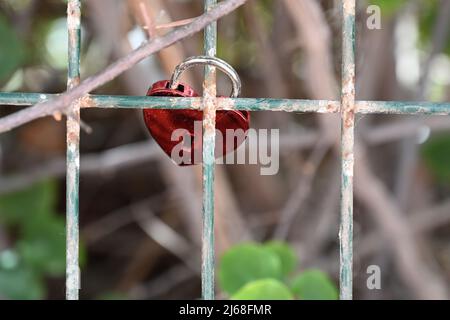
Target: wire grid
column 347, row 107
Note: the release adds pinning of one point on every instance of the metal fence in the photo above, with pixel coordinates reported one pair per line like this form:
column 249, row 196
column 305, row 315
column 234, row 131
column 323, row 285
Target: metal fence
column 347, row 108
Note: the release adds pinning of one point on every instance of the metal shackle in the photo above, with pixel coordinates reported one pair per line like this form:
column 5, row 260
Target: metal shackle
column 212, row 61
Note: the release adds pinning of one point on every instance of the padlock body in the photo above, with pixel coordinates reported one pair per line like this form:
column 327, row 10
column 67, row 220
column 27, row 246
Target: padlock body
column 162, row 123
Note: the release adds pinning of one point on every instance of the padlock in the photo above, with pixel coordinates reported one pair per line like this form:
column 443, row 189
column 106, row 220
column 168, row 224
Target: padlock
column 161, row 123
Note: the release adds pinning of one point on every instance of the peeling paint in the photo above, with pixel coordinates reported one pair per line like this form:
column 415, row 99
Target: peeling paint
column 86, row 102
column 347, row 149
column 349, row 7
column 208, row 161
column 403, row 107
column 73, row 154
column 73, row 14
column 248, row 104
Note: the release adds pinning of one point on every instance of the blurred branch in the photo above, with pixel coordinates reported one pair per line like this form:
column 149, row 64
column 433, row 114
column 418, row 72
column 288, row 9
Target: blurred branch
column 63, row 102
column 167, row 238
column 421, row 222
column 117, row 219
column 174, row 24
column 431, row 218
column 425, row 283
column 273, row 77
column 293, row 205
column 326, row 221
column 395, row 130
column 165, row 282
column 98, row 163
column 141, row 10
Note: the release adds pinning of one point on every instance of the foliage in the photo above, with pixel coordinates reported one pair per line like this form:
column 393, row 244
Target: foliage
column 314, row 285
column 285, row 254
column 245, row 263
column 264, row 289
column 39, row 251
column 252, row 271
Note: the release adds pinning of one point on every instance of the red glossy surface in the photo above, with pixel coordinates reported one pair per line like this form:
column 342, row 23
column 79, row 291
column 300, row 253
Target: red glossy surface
column 161, row 123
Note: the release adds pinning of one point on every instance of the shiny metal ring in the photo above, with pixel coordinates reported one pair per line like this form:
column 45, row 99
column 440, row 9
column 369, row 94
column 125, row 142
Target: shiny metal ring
column 212, row 61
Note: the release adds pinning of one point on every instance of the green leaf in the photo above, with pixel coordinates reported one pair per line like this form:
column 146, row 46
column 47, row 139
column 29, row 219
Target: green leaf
column 245, row 263
column 21, row 206
column 11, row 49
column 21, row 283
column 436, row 153
column 314, row 285
column 264, row 289
column 285, row 253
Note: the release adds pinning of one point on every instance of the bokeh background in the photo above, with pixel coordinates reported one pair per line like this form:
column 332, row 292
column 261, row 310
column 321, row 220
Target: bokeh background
column 140, row 215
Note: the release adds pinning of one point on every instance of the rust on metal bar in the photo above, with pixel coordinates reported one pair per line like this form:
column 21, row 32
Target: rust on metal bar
column 73, row 154
column 209, row 135
column 347, row 149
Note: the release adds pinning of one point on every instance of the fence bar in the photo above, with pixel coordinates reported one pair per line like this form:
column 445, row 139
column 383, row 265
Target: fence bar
column 209, row 135
column 402, row 107
column 347, row 149
column 249, row 104
column 141, row 102
column 73, row 154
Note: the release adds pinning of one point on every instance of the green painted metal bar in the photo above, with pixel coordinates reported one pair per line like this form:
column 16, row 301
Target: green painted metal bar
column 73, row 154
column 140, row 102
column 249, row 104
column 23, row 98
column 402, row 107
column 209, row 135
column 347, row 149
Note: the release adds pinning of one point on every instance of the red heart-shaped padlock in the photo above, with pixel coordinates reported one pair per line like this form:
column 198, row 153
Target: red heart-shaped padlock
column 163, row 122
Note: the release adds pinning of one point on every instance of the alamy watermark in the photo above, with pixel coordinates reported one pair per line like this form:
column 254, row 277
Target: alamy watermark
column 374, row 279
column 254, row 146
column 373, row 22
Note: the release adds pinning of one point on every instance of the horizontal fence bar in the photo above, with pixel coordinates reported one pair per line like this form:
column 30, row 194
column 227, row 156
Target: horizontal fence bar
column 141, row 102
column 249, row 104
column 24, row 99
column 402, row 107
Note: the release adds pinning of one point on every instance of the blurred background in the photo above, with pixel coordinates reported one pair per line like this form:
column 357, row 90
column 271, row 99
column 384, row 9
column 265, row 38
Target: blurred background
column 140, row 215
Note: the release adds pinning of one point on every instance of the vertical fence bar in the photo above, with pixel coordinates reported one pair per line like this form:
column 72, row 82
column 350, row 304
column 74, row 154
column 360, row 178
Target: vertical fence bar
column 347, row 149
column 73, row 154
column 209, row 125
